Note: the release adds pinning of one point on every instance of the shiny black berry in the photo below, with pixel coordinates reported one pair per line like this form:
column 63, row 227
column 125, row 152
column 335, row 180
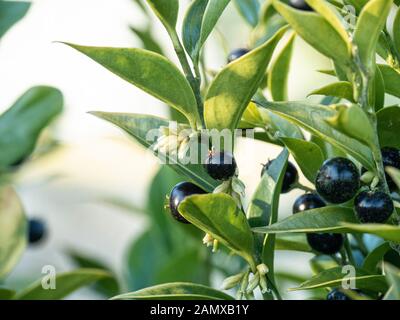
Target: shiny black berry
column 373, row 207
column 325, row 243
column 391, row 158
column 36, row 231
column 336, row 294
column 300, row 4
column 180, row 192
column 236, row 54
column 220, row 165
column 338, row 180
column 308, row 201
column 290, row 178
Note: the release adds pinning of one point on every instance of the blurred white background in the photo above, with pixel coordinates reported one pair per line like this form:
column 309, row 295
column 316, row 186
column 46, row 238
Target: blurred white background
column 97, row 159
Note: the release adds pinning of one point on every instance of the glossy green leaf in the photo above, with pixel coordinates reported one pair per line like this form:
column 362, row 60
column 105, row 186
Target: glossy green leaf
column 166, row 11
column 389, row 126
column 150, row 72
column 307, row 154
column 12, row 230
column 6, row 294
column 394, row 174
column 218, row 215
column 324, row 219
column 175, row 291
column 200, row 20
column 66, row 283
column 249, row 9
column 379, row 90
column 21, row 125
column 335, row 276
column 393, row 279
column 234, row 86
column 391, row 78
column 149, row 43
column 375, row 257
column 370, row 23
column 315, row 30
column 109, row 286
column 396, row 31
column 10, row 13
column 139, row 126
column 342, row 89
column 353, row 122
column 278, row 75
column 312, row 118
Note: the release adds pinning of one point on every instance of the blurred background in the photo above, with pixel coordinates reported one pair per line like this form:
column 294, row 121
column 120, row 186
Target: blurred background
column 92, row 190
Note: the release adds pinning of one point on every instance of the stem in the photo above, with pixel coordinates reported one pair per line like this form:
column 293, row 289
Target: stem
column 349, row 253
column 192, row 79
column 302, row 187
column 361, row 244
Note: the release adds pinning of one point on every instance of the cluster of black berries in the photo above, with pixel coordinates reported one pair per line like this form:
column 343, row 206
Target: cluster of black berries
column 219, row 166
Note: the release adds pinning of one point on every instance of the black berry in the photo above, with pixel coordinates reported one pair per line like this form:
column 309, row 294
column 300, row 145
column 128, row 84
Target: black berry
column 290, row 178
column 373, row 207
column 338, row 180
column 180, row 192
column 220, row 165
column 300, row 4
column 36, row 231
column 391, row 158
column 326, row 243
column 308, row 201
column 335, row 294
column 236, row 54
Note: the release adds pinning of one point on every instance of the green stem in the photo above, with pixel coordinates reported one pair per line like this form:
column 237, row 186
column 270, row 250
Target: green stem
column 349, row 253
column 193, row 80
column 302, row 187
column 361, row 244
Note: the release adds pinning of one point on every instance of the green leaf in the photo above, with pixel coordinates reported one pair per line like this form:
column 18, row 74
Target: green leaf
column 335, row 276
column 200, row 20
column 249, row 9
column 139, row 126
column 324, row 219
column 370, row 23
column 10, row 13
column 147, row 40
column 263, row 209
column 233, row 87
column 175, row 291
column 218, row 215
column 385, row 231
column 332, row 16
column 307, row 154
column 151, row 73
column 12, row 230
column 21, row 125
column 279, row 72
column 312, row 118
column 391, row 78
column 66, row 283
column 353, row 122
column 394, row 174
column 341, row 89
column 166, row 11
column 315, row 30
column 393, row 279
column 388, row 126
column 6, row 294
column 379, row 90
column 109, row 286
column 375, row 257
column 292, row 242
column 396, row 31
